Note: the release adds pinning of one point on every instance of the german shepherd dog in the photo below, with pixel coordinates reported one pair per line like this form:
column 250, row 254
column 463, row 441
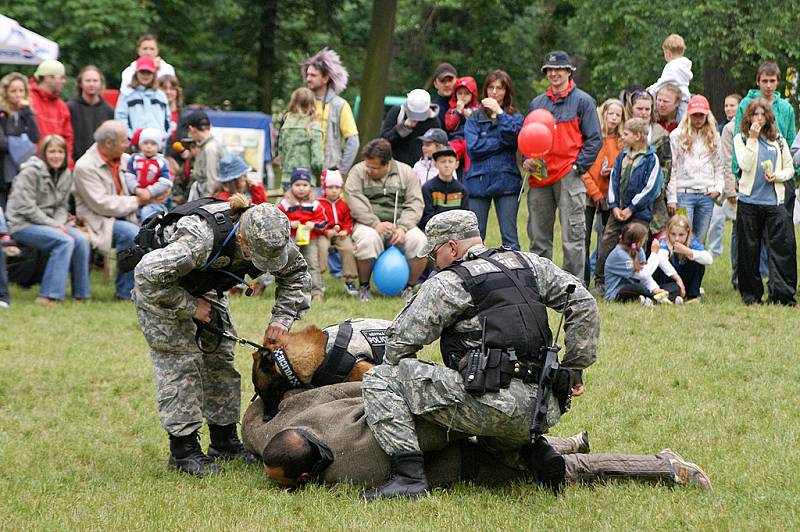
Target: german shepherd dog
column 294, row 360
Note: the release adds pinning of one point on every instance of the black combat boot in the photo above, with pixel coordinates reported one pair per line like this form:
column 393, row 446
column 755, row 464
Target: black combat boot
column 226, row 445
column 407, row 479
column 186, row 455
column 546, row 464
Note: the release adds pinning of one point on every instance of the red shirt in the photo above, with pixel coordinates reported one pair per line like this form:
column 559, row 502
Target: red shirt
column 257, row 194
column 52, row 115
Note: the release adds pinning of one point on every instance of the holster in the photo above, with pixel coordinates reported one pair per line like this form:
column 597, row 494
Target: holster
column 127, row 259
column 472, row 368
column 489, row 372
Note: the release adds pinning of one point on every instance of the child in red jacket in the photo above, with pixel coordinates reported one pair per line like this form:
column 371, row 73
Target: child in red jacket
column 462, row 104
column 338, row 230
column 307, row 220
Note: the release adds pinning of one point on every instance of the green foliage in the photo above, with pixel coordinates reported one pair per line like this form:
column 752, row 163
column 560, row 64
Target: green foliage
column 216, row 46
column 620, row 40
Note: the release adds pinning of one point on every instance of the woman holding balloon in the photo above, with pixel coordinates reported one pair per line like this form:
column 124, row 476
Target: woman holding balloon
column 491, row 137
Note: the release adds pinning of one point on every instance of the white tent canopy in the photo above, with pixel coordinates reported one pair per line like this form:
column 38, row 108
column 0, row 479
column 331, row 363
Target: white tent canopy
column 19, row 46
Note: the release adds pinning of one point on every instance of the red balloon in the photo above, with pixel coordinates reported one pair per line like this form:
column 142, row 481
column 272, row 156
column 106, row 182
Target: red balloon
column 535, row 140
column 541, row 116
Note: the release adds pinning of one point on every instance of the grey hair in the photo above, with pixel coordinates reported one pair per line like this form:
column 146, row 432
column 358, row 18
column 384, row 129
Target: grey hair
column 108, row 130
column 329, row 64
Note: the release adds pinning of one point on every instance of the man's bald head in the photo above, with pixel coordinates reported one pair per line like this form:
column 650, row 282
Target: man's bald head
column 289, row 458
column 112, row 139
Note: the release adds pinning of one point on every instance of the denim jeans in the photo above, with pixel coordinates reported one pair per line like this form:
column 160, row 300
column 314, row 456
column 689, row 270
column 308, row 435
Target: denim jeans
column 699, row 209
column 123, row 235
column 506, row 208
column 69, row 253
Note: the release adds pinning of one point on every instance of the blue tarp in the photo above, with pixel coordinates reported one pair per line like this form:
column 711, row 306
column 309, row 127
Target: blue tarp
column 245, row 119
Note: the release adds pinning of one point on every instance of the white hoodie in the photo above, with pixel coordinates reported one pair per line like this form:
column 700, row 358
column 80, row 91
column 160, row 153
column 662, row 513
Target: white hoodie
column 677, row 71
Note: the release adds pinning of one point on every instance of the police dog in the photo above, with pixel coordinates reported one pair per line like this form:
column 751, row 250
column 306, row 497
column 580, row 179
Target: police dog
column 314, row 357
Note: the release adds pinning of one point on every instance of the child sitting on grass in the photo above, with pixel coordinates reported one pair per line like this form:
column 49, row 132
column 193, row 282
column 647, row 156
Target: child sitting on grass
column 635, row 184
column 149, row 169
column 337, row 231
column 629, row 276
column 444, row 192
column 433, row 139
column 686, row 255
column 233, row 178
column 307, row 221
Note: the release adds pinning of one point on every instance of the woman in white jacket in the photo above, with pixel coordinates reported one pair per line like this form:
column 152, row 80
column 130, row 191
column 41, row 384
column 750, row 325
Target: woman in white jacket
column 697, row 171
column 765, row 164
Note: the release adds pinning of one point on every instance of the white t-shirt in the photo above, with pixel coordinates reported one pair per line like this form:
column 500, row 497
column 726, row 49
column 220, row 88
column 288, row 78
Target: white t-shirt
column 164, row 69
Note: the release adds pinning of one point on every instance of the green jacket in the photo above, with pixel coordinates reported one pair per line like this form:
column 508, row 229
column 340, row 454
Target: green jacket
column 299, row 145
column 784, row 119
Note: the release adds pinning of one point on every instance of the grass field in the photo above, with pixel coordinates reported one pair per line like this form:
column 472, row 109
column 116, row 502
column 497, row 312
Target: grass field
column 81, row 446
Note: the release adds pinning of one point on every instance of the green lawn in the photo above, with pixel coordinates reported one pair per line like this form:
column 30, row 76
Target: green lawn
column 81, row 447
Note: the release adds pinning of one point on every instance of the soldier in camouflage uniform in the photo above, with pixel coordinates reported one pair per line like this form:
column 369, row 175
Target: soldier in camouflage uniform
column 405, row 387
column 181, row 282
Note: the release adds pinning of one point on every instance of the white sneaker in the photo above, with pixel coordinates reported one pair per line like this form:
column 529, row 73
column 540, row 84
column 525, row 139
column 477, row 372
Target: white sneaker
column 4, row 304
column 678, row 300
column 646, row 301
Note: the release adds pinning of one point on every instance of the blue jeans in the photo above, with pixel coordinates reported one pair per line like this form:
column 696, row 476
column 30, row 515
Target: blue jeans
column 699, row 209
column 506, row 208
column 123, row 235
column 69, row 253
column 151, row 209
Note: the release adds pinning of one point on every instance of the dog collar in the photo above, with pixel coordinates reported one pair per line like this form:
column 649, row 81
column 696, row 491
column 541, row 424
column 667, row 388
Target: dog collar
column 286, row 368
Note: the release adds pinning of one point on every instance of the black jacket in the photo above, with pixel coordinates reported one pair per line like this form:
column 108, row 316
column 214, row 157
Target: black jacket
column 23, row 122
column 441, row 196
column 406, row 148
column 86, row 118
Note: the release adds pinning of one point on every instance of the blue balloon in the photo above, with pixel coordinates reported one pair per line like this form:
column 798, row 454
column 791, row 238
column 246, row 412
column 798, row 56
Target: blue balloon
column 390, row 273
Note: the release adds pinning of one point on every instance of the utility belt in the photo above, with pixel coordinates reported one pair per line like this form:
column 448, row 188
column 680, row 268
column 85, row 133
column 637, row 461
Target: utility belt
column 494, row 370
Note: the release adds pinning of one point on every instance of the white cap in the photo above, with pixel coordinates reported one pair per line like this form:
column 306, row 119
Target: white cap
column 418, row 105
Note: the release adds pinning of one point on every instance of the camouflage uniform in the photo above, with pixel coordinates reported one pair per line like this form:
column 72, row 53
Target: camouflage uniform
column 191, row 384
column 405, row 387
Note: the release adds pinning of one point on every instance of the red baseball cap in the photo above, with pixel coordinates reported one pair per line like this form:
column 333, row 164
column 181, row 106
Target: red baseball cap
column 146, row 63
column 698, row 105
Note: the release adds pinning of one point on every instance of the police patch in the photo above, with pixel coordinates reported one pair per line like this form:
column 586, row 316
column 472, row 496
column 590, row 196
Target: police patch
column 376, row 338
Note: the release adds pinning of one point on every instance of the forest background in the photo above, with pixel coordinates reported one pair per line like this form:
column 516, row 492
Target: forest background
column 248, row 51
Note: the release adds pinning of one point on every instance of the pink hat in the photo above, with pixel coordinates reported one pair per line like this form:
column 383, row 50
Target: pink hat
column 697, row 105
column 332, row 178
column 146, row 63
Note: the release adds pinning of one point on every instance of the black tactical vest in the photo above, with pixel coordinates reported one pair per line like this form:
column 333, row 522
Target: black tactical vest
column 221, row 272
column 513, row 320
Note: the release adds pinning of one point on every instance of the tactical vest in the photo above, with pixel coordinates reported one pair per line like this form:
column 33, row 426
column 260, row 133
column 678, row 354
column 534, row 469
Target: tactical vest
column 510, row 319
column 221, row 272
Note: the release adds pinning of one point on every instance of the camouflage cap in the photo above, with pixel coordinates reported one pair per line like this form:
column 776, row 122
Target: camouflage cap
column 266, row 230
column 451, row 225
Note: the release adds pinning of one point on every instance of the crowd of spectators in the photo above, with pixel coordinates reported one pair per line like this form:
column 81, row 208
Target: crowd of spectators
column 651, row 173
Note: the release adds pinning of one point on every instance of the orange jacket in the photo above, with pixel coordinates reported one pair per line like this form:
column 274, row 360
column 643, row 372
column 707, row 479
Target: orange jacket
column 597, row 185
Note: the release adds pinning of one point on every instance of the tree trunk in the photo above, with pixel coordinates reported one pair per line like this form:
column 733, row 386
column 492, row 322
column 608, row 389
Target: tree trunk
column 376, row 69
column 716, row 86
column 266, row 54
